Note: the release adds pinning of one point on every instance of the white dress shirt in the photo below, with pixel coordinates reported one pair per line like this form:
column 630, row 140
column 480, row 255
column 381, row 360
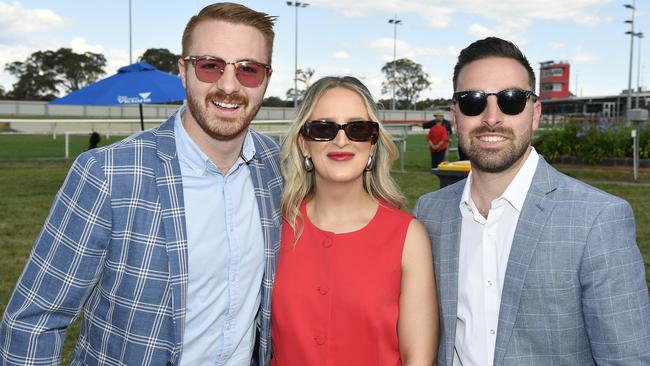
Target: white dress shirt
column 484, row 249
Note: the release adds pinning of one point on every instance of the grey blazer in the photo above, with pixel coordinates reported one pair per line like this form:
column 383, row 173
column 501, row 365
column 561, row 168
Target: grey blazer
column 575, row 288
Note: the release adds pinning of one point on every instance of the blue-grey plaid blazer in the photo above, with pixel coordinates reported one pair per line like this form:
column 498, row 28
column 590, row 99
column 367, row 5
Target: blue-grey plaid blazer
column 115, row 245
column 575, row 290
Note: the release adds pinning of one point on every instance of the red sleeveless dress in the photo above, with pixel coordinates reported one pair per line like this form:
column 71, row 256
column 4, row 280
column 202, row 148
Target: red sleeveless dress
column 336, row 296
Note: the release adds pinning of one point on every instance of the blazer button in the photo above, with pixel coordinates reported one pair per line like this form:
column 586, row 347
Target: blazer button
column 320, row 340
column 323, row 290
column 327, row 242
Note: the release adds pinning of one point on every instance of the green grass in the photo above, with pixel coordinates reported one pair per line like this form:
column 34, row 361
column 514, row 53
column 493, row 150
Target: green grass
column 28, row 186
column 20, row 147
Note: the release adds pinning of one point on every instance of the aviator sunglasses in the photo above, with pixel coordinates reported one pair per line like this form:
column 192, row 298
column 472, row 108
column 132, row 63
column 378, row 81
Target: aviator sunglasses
column 510, row 101
column 209, row 69
column 322, row 130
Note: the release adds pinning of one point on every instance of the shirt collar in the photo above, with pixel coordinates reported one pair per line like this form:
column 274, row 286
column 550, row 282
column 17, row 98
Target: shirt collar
column 518, row 188
column 516, row 191
column 197, row 160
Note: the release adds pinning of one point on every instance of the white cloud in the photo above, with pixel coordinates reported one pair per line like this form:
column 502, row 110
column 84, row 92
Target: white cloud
column 11, row 53
column 80, row 45
column 115, row 58
column 579, row 55
column 516, row 15
column 555, row 45
column 479, row 32
column 373, row 83
column 16, row 21
column 279, row 84
column 436, row 13
column 407, row 50
column 340, row 55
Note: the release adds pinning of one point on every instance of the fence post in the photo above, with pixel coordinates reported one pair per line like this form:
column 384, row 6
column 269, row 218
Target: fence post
column 636, row 117
column 67, row 145
column 405, row 135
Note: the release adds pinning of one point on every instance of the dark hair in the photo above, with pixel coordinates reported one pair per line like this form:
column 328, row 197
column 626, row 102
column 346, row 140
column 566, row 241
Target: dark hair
column 492, row 47
column 93, row 140
column 235, row 14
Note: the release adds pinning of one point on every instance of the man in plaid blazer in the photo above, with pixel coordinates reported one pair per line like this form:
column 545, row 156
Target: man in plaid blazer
column 533, row 267
column 118, row 247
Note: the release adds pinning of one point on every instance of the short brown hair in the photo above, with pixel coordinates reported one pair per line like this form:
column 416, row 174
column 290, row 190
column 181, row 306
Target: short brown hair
column 235, row 14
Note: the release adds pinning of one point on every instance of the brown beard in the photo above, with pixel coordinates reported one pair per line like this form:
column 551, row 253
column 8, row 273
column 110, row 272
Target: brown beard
column 222, row 129
column 492, row 161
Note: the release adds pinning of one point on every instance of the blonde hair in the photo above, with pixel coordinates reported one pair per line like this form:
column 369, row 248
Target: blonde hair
column 235, row 14
column 299, row 183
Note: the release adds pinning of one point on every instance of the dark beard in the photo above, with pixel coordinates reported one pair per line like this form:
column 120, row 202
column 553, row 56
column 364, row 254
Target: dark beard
column 490, row 161
column 222, row 129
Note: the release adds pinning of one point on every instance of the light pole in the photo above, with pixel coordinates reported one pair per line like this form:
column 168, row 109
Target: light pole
column 629, row 77
column 130, row 37
column 638, row 71
column 394, row 22
column 296, row 4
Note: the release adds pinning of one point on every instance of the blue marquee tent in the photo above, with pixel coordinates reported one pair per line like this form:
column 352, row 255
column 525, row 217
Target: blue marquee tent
column 138, row 83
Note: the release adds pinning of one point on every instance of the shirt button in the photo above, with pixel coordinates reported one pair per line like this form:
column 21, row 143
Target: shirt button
column 323, row 290
column 489, row 283
column 320, row 340
column 327, row 243
column 492, row 331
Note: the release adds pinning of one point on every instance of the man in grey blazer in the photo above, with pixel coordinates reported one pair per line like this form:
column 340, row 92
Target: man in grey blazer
column 533, row 267
column 166, row 242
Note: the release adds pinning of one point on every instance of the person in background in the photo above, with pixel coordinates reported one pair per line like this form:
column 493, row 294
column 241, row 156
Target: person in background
column 438, row 141
column 166, row 242
column 354, row 283
column 438, row 116
column 533, row 267
column 94, row 140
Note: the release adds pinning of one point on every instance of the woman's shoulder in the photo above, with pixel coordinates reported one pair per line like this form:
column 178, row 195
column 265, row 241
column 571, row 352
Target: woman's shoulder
column 394, row 212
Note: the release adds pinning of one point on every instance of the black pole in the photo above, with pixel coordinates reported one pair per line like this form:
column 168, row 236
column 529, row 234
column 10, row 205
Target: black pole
column 141, row 118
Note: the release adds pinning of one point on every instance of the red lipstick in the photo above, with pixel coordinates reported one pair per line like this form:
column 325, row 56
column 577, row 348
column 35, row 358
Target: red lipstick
column 340, row 155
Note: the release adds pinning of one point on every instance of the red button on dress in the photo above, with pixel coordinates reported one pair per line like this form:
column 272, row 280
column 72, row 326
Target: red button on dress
column 351, row 318
column 323, row 290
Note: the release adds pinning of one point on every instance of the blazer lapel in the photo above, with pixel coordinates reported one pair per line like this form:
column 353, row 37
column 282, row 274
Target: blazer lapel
column 170, row 189
column 447, row 270
column 267, row 181
column 534, row 215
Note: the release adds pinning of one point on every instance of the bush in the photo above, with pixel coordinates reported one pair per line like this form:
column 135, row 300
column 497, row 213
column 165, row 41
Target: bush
column 591, row 141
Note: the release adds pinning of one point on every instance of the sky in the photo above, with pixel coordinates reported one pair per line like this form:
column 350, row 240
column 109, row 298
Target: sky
column 354, row 37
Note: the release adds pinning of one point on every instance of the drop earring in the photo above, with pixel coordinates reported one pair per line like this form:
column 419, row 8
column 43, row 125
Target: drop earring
column 371, row 163
column 308, row 165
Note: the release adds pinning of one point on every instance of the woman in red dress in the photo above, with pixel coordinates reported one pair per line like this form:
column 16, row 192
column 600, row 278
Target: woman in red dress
column 354, row 283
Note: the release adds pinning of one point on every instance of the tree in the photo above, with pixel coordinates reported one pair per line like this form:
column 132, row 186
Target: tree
column 33, row 82
column 276, row 102
column 45, row 73
column 428, row 104
column 162, row 59
column 304, row 78
column 407, row 77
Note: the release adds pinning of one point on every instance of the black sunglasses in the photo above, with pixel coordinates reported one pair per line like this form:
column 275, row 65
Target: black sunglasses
column 322, row 130
column 510, row 101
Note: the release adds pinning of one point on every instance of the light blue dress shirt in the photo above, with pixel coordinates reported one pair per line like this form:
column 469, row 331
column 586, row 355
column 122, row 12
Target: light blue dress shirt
column 225, row 256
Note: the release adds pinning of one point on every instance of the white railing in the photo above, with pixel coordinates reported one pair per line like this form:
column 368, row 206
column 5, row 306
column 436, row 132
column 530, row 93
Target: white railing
column 125, row 127
column 32, row 109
